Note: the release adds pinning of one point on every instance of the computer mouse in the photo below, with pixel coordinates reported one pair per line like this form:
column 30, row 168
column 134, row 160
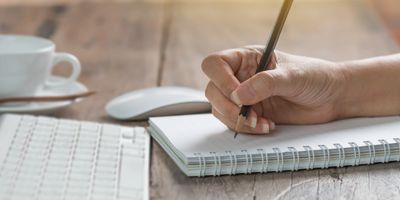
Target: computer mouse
column 158, row 101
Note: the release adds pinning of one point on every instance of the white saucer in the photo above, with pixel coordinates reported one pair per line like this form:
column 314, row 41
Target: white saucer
column 47, row 107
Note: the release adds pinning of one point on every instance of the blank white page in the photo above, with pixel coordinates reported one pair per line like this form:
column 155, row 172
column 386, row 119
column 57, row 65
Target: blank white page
column 204, row 133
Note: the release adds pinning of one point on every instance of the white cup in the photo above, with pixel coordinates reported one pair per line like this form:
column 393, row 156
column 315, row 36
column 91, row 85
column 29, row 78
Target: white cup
column 26, row 63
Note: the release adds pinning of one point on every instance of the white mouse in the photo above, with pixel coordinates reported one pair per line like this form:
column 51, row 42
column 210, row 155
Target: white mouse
column 158, row 101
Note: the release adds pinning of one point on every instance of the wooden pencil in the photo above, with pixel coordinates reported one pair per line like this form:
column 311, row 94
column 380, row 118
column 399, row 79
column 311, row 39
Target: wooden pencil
column 266, row 58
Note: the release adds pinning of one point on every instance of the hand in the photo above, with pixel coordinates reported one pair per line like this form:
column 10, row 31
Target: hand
column 298, row 90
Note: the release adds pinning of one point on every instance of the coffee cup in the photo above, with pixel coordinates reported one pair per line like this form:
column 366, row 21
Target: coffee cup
column 26, row 65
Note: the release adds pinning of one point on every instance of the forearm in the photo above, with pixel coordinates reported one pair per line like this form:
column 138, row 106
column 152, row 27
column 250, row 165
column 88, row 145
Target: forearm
column 372, row 87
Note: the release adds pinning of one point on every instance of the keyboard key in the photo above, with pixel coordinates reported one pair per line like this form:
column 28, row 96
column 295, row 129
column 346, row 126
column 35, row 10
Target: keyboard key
column 81, row 170
column 101, row 195
column 105, row 189
column 130, row 164
column 82, row 166
column 89, row 136
column 106, row 175
column 56, row 175
column 81, row 180
column 103, row 172
column 64, row 144
column 58, row 157
column 90, row 127
column 87, row 156
column 22, row 132
column 90, row 145
column 128, row 134
column 51, row 190
column 111, row 130
column 43, row 131
column 75, row 195
column 28, row 186
column 135, row 152
column 106, row 163
column 129, row 193
column 36, row 152
column 110, row 146
column 65, row 132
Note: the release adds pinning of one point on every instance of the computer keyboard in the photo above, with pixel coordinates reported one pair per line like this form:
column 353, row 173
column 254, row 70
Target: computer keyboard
column 49, row 158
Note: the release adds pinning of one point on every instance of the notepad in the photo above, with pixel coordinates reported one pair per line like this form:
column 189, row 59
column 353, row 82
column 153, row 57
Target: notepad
column 202, row 146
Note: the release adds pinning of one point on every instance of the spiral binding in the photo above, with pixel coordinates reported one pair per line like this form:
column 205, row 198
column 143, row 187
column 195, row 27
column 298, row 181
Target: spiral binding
column 386, row 150
column 217, row 164
column 295, row 157
column 371, row 149
column 341, row 154
column 202, row 164
column 311, row 160
column 249, row 162
column 279, row 159
column 233, row 162
column 325, row 151
column 356, row 153
column 264, row 165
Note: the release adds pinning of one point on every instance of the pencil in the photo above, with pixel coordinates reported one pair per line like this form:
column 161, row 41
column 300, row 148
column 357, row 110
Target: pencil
column 266, row 58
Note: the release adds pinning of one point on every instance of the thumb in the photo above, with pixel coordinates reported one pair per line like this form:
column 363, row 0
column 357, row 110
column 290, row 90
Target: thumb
column 261, row 86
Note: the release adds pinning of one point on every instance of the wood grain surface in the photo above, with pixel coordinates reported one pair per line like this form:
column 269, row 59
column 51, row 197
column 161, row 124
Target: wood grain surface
column 128, row 45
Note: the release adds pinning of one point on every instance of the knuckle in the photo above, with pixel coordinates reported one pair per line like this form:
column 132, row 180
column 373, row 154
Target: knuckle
column 208, row 91
column 267, row 80
column 296, row 72
column 208, row 61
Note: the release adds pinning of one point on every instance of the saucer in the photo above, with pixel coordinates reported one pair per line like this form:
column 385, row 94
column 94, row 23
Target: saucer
column 47, row 107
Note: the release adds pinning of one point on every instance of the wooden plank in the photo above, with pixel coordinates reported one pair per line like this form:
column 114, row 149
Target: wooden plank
column 23, row 19
column 335, row 30
column 118, row 46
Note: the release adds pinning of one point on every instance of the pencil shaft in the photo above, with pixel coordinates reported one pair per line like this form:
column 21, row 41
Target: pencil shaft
column 274, row 37
column 268, row 52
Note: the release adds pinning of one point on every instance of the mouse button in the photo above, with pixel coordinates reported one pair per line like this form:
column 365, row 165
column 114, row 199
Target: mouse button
column 125, row 107
column 179, row 109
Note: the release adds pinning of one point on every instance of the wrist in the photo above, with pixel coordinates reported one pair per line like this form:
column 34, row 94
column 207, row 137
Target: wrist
column 348, row 103
column 370, row 87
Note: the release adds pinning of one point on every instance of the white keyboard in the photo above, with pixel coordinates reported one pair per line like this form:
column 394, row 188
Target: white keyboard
column 48, row 158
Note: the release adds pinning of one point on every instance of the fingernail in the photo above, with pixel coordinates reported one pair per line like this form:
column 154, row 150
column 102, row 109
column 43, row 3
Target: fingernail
column 235, row 98
column 253, row 122
column 271, row 125
column 265, row 128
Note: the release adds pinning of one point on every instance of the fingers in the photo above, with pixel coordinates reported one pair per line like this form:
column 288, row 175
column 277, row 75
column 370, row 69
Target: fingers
column 261, row 86
column 227, row 112
column 220, row 73
column 225, row 106
column 263, row 125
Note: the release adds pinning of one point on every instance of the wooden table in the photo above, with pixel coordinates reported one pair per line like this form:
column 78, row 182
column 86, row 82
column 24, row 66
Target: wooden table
column 129, row 45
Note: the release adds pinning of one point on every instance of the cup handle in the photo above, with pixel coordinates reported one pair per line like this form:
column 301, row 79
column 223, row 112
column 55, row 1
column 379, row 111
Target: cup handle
column 76, row 69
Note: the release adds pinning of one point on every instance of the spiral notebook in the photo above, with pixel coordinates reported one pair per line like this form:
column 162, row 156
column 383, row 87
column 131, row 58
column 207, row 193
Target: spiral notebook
column 202, row 146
